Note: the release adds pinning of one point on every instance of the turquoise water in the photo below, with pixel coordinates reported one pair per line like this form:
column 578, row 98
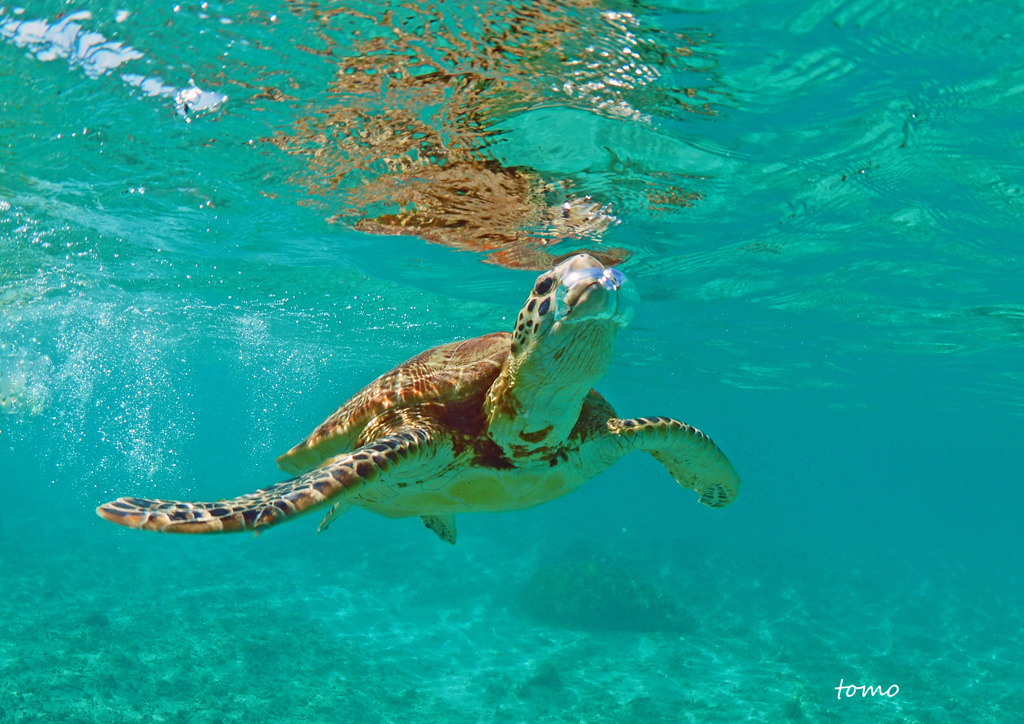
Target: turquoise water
column 821, row 205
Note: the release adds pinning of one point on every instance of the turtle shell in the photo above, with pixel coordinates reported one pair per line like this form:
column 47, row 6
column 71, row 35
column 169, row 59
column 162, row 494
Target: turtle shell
column 453, row 372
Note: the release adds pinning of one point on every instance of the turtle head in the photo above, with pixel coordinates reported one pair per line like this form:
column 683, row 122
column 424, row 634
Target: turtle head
column 573, row 311
column 561, row 346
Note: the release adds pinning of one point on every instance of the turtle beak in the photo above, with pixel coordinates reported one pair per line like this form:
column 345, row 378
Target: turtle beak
column 589, row 290
column 611, row 280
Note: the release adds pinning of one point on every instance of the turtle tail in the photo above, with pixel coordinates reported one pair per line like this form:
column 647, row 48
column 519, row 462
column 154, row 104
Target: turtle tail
column 254, row 511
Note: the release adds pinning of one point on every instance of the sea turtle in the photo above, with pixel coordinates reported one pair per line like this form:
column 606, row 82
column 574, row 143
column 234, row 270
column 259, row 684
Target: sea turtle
column 500, row 422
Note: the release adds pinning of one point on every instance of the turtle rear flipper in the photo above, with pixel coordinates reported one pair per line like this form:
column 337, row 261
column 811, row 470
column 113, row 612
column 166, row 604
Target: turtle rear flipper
column 443, row 525
column 329, row 485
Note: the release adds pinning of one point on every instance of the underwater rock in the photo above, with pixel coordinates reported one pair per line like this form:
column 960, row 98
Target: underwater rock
column 596, row 593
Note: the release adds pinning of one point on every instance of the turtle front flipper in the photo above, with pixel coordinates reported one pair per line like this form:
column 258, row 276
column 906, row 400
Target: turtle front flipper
column 328, row 486
column 692, row 458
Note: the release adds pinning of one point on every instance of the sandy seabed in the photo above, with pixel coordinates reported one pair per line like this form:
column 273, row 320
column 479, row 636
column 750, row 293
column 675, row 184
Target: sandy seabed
column 123, row 627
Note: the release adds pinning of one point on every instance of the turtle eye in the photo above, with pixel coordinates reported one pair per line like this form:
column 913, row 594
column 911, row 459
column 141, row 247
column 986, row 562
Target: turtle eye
column 543, row 285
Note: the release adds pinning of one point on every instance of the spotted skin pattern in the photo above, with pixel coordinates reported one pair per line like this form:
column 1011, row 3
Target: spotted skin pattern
column 496, row 423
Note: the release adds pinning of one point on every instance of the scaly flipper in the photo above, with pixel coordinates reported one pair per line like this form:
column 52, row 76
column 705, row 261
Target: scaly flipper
column 344, row 475
column 443, row 525
column 691, row 457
